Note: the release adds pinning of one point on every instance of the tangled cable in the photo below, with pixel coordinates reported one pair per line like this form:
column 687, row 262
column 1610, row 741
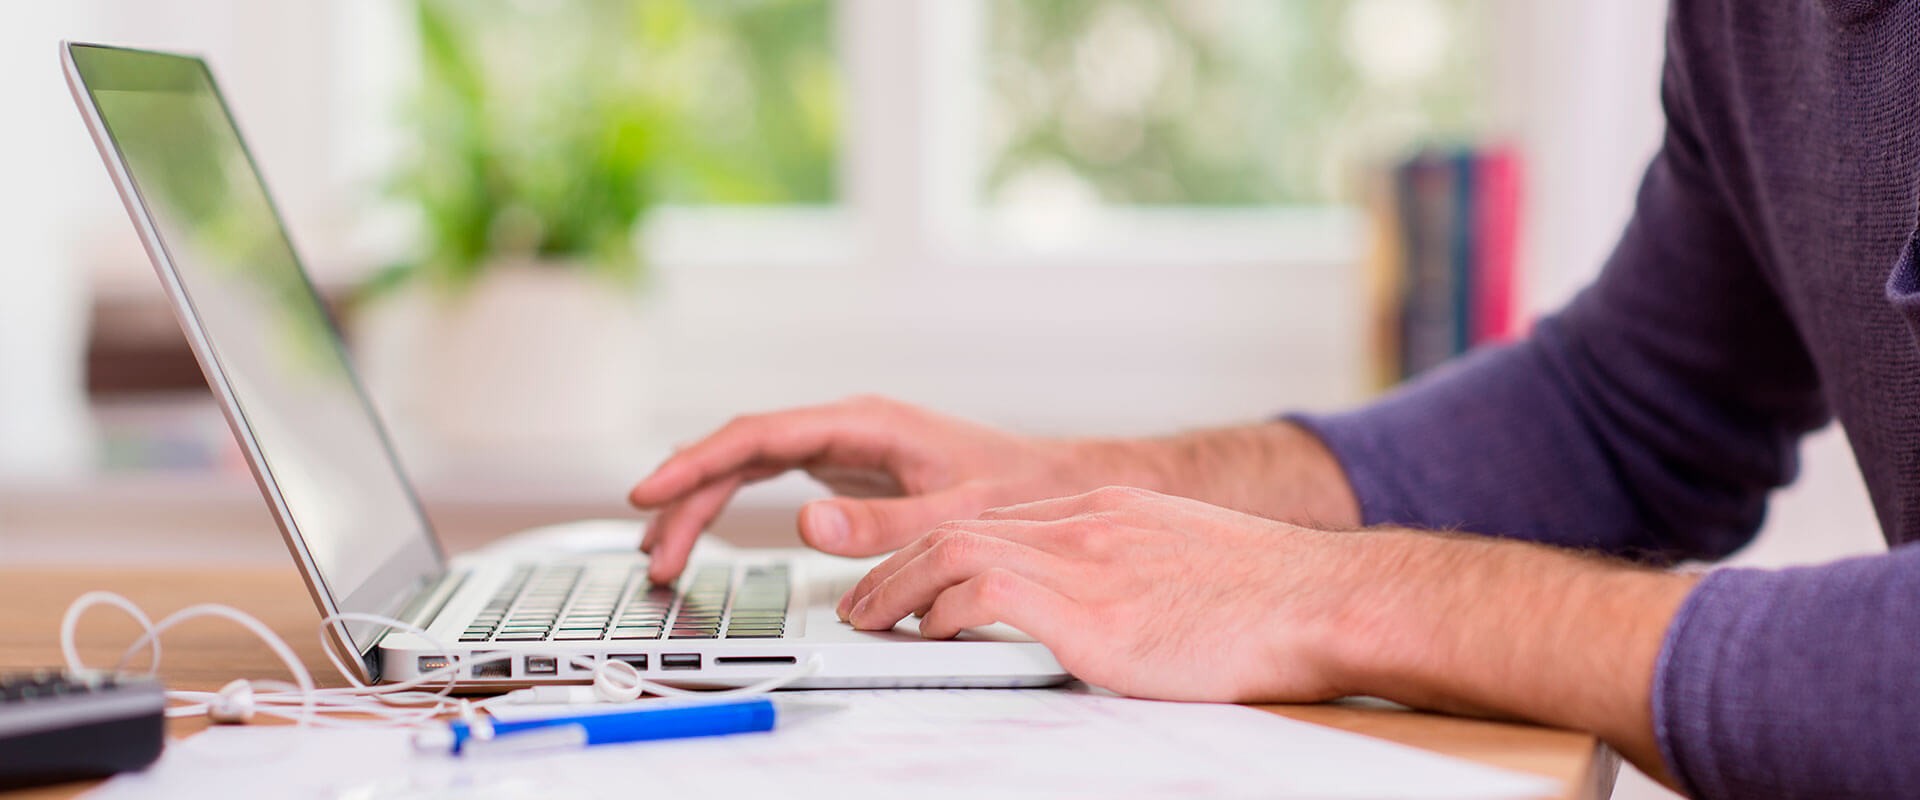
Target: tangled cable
column 402, row 704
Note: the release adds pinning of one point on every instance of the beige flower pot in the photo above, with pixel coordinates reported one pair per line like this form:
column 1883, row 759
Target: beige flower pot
column 537, row 364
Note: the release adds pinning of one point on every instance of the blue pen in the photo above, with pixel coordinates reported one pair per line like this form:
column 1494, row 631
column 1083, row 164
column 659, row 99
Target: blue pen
column 672, row 722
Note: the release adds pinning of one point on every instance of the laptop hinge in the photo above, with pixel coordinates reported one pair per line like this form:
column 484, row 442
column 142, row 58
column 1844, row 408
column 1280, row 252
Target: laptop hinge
column 420, row 611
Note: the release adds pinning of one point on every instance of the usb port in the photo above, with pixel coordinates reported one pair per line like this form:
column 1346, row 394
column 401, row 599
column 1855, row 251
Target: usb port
column 680, row 661
column 638, row 662
column 542, row 665
column 431, row 663
column 498, row 668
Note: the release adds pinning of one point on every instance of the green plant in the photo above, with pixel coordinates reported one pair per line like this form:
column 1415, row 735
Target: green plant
column 548, row 129
column 525, row 153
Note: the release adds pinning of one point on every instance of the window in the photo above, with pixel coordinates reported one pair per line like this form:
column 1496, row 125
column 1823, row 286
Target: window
column 739, row 101
column 753, row 99
column 1218, row 103
column 987, row 130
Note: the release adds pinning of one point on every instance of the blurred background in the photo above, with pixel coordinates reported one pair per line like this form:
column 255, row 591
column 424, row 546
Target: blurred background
column 564, row 235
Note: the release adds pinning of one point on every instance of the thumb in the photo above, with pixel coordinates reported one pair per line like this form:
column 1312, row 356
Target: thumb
column 850, row 527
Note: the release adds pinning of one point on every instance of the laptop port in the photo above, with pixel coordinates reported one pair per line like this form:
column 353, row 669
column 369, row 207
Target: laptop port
column 680, row 661
column 748, row 660
column 542, row 665
column 499, row 668
column 638, row 662
column 431, row 663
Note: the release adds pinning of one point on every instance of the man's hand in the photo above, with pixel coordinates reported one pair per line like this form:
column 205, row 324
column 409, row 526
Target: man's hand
column 901, row 470
column 1142, row 593
column 1165, row 597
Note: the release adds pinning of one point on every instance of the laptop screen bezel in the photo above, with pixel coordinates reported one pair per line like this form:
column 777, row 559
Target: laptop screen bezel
column 394, row 583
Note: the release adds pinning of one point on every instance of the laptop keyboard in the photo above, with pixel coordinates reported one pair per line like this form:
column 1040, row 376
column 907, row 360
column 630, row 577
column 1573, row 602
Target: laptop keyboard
column 580, row 603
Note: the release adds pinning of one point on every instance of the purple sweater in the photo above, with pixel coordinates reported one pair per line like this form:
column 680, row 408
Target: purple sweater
column 1766, row 283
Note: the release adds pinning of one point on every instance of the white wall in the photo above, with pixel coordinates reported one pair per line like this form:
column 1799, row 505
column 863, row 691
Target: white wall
column 43, row 426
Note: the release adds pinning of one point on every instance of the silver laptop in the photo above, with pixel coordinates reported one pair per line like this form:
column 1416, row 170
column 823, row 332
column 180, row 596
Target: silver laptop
column 275, row 361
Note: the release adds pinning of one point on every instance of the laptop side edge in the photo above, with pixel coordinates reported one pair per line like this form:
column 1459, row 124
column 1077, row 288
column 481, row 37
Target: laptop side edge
column 365, row 663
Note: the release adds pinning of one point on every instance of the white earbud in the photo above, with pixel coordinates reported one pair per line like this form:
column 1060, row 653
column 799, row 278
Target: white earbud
column 234, row 703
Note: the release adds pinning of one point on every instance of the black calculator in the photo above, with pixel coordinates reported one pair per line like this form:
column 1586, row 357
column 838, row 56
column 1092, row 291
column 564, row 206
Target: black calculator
column 59, row 726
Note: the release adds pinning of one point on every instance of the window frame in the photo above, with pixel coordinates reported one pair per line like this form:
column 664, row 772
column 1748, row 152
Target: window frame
column 908, row 175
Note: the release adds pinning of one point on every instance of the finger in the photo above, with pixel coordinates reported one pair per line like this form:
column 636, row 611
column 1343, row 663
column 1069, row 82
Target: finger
column 663, row 519
column 679, row 530
column 953, row 560
column 861, row 527
column 1102, row 499
column 650, row 537
column 1003, row 595
column 917, row 548
column 785, row 438
column 905, row 555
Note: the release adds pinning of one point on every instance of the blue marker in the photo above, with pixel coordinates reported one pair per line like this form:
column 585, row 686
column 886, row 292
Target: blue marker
column 673, row 722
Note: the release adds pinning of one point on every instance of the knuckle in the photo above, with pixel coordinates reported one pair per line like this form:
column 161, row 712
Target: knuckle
column 1080, row 537
column 1118, row 495
column 942, row 532
column 995, row 587
column 954, row 550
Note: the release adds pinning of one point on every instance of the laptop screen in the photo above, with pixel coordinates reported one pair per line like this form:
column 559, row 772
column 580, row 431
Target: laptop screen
column 289, row 388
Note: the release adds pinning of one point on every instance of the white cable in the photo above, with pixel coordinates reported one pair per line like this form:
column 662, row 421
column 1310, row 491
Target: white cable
column 401, row 704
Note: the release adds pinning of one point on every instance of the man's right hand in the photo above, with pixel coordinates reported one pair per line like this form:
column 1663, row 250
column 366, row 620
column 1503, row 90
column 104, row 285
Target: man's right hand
column 901, row 470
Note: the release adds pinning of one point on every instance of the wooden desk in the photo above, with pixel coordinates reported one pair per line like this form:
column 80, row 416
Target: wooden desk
column 204, row 654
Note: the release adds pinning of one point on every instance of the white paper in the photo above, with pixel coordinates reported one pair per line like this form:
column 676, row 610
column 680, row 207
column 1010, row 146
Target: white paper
column 895, row 744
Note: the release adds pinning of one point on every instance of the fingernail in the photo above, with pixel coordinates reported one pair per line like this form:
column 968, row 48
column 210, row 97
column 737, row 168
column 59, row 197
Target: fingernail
column 826, row 525
column 857, row 608
column 841, row 607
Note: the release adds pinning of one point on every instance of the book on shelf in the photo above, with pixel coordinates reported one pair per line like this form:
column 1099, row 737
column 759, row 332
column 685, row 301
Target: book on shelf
column 1443, row 274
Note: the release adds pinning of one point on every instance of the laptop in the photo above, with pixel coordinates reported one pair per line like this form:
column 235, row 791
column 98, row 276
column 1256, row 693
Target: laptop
column 274, row 359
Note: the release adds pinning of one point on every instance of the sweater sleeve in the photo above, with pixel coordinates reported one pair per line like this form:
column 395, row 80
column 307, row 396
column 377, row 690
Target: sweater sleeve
column 1794, row 683
column 1650, row 417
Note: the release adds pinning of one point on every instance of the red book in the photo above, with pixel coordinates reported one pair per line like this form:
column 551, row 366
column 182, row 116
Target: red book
column 1496, row 215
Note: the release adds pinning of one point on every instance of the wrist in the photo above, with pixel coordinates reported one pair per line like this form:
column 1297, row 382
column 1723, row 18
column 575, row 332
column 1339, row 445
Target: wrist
column 1376, row 640
column 1138, row 463
column 1507, row 629
column 1276, row 470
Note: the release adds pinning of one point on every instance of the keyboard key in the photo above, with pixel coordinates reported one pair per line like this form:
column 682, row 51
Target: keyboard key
column 754, row 635
column 574, row 636
column 528, row 636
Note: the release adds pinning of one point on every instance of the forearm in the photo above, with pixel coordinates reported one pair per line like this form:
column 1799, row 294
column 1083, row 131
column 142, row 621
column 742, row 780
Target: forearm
column 1275, row 470
column 1482, row 626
